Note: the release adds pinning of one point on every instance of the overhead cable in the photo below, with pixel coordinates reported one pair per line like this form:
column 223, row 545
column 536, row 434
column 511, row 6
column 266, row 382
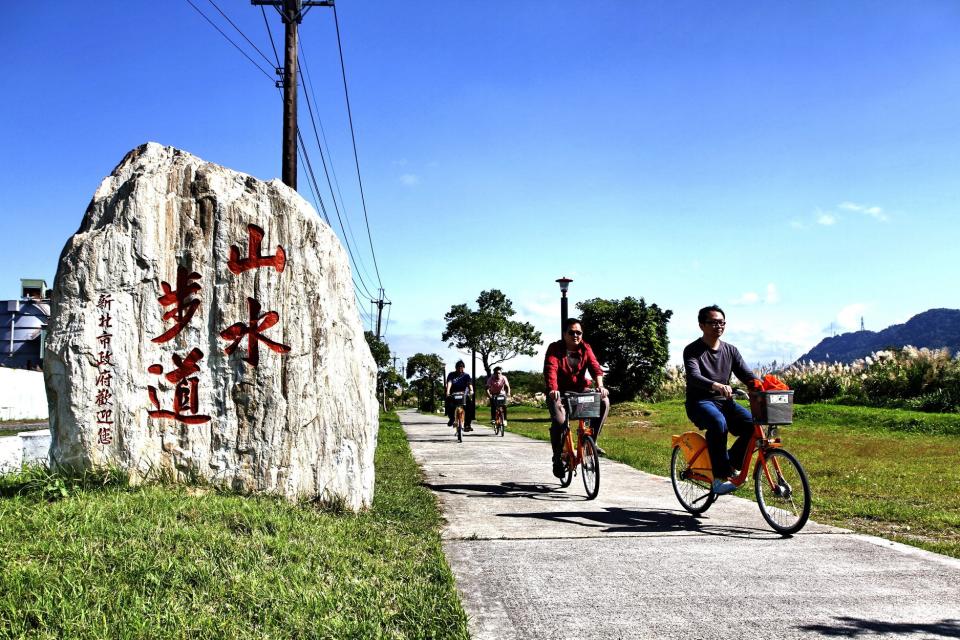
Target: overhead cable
column 220, row 31
column 346, row 94
column 308, row 85
column 255, row 47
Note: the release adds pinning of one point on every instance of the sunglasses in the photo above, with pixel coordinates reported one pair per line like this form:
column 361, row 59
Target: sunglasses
column 575, row 333
column 716, row 323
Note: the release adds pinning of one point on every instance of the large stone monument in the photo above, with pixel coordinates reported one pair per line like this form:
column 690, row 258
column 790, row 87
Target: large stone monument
column 203, row 326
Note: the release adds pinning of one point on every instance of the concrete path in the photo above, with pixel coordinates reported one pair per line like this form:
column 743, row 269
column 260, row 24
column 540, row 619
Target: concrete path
column 535, row 561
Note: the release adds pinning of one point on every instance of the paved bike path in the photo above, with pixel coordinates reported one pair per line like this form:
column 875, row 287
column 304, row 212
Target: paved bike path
column 533, row 560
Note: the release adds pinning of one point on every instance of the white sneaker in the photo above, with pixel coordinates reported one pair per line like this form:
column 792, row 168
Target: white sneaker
column 722, row 487
column 504, row 423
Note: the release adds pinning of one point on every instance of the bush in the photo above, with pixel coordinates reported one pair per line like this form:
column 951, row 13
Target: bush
column 909, row 378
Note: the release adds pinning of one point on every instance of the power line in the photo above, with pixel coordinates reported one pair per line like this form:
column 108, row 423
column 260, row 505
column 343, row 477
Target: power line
column 220, row 31
column 336, row 208
column 308, row 84
column 315, row 193
column 353, row 138
column 276, row 56
column 256, row 48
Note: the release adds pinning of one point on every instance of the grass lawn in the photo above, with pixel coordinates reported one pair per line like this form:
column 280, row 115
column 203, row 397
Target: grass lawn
column 886, row 472
column 185, row 562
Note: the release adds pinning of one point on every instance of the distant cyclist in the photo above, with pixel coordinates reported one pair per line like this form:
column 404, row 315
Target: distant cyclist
column 459, row 381
column 565, row 368
column 497, row 384
column 708, row 363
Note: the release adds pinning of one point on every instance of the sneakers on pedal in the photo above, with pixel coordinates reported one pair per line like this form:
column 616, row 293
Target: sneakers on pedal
column 558, row 470
column 468, row 428
column 723, row 487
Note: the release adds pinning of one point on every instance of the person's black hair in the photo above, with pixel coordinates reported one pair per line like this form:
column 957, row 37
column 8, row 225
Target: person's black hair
column 570, row 322
column 495, row 369
column 704, row 314
column 460, row 364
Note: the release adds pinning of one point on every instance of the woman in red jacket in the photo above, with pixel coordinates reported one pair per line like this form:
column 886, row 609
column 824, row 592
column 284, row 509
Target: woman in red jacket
column 565, row 368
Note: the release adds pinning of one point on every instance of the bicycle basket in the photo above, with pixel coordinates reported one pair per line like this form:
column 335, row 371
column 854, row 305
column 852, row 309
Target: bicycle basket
column 772, row 407
column 499, row 400
column 458, row 398
column 583, row 405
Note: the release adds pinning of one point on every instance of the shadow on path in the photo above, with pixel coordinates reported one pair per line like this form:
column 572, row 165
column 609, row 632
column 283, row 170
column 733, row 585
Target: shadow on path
column 620, row 520
column 848, row 627
column 534, row 491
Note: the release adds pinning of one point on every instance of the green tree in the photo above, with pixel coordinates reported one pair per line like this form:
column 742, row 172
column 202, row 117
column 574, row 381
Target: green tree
column 378, row 348
column 489, row 330
column 381, row 355
column 629, row 338
column 426, row 371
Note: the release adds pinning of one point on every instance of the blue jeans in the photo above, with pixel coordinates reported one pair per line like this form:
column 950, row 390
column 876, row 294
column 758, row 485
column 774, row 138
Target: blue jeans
column 719, row 417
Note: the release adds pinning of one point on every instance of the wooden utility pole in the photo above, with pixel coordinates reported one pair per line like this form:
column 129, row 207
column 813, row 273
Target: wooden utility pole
column 381, row 303
column 291, row 11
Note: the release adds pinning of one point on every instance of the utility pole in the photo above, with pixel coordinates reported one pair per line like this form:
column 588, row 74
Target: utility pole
column 292, row 12
column 381, row 303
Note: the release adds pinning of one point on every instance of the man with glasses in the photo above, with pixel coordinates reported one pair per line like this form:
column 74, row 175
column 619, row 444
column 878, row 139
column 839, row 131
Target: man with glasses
column 565, row 369
column 708, row 363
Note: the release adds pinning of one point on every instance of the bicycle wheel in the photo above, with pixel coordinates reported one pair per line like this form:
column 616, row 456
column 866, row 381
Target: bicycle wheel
column 500, row 428
column 458, row 423
column 590, row 468
column 783, row 493
column 694, row 495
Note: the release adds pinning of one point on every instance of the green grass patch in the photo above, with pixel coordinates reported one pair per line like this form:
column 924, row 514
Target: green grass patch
column 887, row 472
column 94, row 558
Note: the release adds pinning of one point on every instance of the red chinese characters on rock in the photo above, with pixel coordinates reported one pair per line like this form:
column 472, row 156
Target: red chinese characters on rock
column 184, row 302
column 254, row 260
column 105, row 365
column 256, row 324
column 251, row 331
column 186, row 390
column 183, row 307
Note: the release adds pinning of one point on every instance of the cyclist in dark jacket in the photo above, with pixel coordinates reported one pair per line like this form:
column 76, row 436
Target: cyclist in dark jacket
column 708, row 363
column 460, row 381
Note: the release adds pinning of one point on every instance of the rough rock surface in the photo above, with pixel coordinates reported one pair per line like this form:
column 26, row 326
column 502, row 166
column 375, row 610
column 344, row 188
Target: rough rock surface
column 182, row 344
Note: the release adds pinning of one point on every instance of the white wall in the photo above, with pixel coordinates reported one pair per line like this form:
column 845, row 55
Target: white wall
column 22, row 395
column 24, row 448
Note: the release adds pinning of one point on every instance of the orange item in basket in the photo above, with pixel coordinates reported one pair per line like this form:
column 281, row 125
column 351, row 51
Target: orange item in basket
column 770, row 383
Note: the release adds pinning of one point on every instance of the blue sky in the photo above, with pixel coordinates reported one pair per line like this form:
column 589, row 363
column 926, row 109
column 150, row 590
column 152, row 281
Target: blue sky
column 796, row 164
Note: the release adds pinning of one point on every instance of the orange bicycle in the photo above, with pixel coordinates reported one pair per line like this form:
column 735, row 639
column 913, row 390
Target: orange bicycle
column 581, row 406
column 459, row 399
column 779, row 482
column 499, row 402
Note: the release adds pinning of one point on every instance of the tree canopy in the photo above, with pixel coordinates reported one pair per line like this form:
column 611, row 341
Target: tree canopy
column 426, row 371
column 629, row 338
column 378, row 348
column 489, row 330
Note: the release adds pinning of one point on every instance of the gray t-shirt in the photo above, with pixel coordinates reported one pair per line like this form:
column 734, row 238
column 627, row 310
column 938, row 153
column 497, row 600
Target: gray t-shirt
column 704, row 366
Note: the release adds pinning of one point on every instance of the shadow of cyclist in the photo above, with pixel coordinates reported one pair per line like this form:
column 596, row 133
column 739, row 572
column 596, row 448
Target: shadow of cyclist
column 619, row 520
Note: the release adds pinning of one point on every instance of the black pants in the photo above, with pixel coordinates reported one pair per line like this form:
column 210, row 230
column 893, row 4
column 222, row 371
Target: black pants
column 470, row 409
column 558, row 416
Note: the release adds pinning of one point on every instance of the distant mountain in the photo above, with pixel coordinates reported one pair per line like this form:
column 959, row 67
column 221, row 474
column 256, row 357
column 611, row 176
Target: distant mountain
column 933, row 329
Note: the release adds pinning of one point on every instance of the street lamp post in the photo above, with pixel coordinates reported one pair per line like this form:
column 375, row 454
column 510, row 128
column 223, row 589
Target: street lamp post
column 564, row 285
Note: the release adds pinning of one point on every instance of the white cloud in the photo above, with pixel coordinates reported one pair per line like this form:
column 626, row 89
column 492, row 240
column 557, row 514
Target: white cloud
column 826, row 219
column 849, row 317
column 796, row 224
column 874, row 212
column 773, row 296
column 748, row 297
column 409, row 179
